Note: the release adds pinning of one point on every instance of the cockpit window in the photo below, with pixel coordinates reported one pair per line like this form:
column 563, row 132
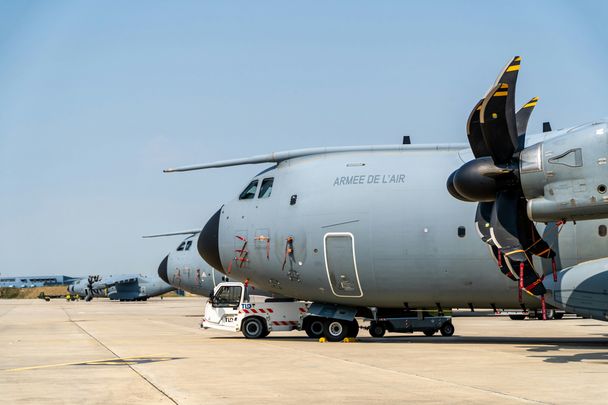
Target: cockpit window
column 188, row 244
column 266, row 187
column 249, row 191
column 181, row 246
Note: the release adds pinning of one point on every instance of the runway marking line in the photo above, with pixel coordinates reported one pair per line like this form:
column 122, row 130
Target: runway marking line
column 110, row 361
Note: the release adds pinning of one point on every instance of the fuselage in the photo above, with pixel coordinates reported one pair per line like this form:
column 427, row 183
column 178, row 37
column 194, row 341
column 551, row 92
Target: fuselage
column 142, row 287
column 372, row 229
column 184, row 269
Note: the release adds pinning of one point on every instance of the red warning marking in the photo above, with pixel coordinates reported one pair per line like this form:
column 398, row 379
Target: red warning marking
column 270, row 310
column 246, row 311
column 262, row 310
column 276, row 323
column 302, row 309
column 255, row 311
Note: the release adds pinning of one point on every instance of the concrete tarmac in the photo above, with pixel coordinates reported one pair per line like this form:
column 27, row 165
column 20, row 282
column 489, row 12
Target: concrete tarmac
column 154, row 352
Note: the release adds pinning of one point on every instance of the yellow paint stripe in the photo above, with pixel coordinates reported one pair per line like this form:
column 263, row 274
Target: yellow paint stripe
column 513, row 68
column 517, row 59
column 82, row 362
column 530, row 105
column 504, row 86
column 501, row 93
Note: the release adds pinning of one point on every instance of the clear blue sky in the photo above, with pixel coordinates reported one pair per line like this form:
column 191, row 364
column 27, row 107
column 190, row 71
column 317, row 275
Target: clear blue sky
column 96, row 98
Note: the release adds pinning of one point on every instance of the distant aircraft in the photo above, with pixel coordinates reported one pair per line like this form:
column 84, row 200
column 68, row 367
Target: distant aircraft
column 372, row 230
column 184, row 269
column 124, row 287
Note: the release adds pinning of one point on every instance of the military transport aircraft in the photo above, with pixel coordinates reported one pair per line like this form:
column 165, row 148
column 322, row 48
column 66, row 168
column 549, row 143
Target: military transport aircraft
column 124, row 287
column 366, row 230
column 184, row 269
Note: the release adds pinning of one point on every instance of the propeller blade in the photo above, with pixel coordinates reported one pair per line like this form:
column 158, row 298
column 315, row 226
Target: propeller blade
column 502, row 262
column 495, row 118
column 523, row 116
column 497, row 115
column 531, row 239
column 532, row 282
column 476, row 141
column 483, row 218
column 505, row 229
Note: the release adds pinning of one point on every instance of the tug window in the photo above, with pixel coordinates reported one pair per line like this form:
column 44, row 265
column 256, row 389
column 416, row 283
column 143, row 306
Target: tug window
column 266, row 187
column 249, row 191
column 227, row 297
column 462, row 231
column 181, row 246
column 601, row 230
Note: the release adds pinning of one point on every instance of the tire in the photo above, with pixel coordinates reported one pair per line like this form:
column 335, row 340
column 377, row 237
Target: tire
column 517, row 317
column 253, row 328
column 429, row 332
column 314, row 326
column 558, row 315
column 335, row 330
column 447, row 329
column 353, row 328
column 376, row 329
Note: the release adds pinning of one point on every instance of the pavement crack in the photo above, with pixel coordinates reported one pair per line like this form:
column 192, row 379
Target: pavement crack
column 117, row 356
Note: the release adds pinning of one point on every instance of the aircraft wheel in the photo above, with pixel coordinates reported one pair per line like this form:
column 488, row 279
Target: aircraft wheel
column 429, row 332
column 335, row 330
column 517, row 317
column 253, row 328
column 376, row 329
column 313, row 325
column 353, row 328
column 447, row 329
column 558, row 315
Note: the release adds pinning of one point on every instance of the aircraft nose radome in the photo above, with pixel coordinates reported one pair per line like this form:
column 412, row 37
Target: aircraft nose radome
column 208, row 242
column 162, row 270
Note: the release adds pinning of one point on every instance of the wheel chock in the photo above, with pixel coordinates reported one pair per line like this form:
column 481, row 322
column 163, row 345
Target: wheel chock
column 322, row 340
column 350, row 340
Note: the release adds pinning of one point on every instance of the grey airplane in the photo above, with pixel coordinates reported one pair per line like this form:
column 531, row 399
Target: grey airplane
column 367, row 230
column 123, row 287
column 184, row 269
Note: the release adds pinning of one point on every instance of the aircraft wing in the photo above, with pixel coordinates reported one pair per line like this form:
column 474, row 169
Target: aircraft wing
column 160, row 235
column 277, row 157
column 110, row 281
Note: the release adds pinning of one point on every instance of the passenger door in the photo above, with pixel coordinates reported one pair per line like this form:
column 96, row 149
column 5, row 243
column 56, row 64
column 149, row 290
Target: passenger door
column 341, row 264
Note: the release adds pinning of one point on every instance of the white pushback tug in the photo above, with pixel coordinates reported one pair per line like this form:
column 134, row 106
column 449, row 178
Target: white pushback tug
column 230, row 308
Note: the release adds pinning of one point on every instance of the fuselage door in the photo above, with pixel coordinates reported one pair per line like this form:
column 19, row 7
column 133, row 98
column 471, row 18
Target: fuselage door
column 341, row 264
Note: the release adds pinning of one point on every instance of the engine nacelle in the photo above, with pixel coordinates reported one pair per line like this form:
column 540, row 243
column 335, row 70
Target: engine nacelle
column 581, row 289
column 565, row 176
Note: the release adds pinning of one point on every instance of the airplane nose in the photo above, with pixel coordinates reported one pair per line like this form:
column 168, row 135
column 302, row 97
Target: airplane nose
column 162, row 270
column 207, row 244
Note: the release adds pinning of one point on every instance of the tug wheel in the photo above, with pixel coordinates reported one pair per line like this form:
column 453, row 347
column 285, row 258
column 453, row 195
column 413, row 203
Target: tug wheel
column 376, row 329
column 253, row 328
column 447, row 329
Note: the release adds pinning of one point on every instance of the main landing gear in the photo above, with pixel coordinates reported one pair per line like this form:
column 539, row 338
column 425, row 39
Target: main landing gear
column 334, row 330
